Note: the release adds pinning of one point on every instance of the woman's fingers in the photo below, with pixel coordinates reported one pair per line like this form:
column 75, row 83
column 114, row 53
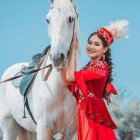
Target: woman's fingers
column 108, row 99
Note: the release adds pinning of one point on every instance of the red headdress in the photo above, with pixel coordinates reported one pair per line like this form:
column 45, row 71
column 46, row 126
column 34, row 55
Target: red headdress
column 116, row 29
column 108, row 37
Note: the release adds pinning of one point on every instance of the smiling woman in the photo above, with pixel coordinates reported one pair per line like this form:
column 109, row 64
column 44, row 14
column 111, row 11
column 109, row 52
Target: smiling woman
column 93, row 82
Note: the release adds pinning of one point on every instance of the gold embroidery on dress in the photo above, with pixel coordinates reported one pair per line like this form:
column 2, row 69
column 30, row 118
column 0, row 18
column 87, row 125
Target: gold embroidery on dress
column 90, row 94
column 100, row 64
column 97, row 68
column 81, row 96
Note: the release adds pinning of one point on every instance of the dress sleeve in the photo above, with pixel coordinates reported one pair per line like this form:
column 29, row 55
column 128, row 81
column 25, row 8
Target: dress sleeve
column 78, row 84
column 97, row 71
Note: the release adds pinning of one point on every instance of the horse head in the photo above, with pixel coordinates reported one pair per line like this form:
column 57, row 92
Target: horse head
column 62, row 23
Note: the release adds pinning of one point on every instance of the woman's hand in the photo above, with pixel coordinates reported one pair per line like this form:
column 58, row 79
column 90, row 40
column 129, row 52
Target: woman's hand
column 63, row 77
column 107, row 97
column 110, row 89
column 71, row 63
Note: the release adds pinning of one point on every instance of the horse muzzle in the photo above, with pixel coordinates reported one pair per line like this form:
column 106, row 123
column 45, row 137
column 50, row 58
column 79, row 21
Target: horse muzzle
column 58, row 60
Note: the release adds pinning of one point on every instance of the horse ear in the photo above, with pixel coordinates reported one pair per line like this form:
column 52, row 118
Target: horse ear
column 51, row 1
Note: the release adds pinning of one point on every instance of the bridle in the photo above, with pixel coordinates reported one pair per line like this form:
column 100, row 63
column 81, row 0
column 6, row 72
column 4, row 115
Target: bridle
column 70, row 48
column 74, row 20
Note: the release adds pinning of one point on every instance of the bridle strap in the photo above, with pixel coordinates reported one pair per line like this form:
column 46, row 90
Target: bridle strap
column 70, row 48
column 45, row 76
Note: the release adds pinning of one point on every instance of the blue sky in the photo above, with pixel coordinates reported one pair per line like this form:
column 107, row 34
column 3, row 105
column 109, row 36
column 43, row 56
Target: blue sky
column 23, row 32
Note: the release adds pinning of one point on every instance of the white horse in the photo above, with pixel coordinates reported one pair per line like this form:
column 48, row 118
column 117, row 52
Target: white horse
column 52, row 105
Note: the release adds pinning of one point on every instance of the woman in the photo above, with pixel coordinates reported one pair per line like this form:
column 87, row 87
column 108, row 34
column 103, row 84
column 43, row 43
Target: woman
column 93, row 82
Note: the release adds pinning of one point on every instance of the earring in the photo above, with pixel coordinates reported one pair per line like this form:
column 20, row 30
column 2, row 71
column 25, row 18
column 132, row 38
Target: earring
column 103, row 57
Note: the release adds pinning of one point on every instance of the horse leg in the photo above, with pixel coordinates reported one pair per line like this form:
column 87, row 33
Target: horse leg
column 26, row 135
column 23, row 134
column 9, row 128
column 70, row 136
column 42, row 132
column 0, row 134
column 33, row 136
column 58, row 136
column 74, row 137
column 71, row 131
column 8, row 125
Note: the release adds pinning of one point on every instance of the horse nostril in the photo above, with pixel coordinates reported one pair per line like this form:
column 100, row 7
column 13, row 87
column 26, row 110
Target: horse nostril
column 62, row 56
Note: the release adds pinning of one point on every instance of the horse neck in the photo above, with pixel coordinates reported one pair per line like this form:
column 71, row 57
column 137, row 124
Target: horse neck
column 53, row 78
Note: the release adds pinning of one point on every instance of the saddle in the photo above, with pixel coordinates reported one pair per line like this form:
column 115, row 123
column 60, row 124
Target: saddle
column 27, row 79
column 23, row 83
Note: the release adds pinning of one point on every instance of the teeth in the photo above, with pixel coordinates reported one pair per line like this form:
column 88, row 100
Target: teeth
column 91, row 51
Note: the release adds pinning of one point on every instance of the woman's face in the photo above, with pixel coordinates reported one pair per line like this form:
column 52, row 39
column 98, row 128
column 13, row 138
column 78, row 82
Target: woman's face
column 95, row 47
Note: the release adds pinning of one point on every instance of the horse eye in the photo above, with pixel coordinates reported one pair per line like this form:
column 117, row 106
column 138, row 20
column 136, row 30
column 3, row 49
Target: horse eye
column 71, row 19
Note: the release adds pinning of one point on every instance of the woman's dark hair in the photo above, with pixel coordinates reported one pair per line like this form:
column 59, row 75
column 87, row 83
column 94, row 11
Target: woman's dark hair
column 108, row 60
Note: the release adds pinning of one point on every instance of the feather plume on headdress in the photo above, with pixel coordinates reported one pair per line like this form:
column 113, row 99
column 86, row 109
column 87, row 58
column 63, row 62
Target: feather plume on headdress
column 118, row 29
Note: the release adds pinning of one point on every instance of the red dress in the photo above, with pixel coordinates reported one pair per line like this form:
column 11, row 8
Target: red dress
column 94, row 121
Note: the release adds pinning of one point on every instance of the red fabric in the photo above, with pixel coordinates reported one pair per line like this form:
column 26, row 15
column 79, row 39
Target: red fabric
column 91, row 130
column 94, row 121
column 110, row 89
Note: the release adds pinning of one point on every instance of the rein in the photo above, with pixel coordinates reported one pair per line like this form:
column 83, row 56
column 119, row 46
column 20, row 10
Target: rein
column 15, row 77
